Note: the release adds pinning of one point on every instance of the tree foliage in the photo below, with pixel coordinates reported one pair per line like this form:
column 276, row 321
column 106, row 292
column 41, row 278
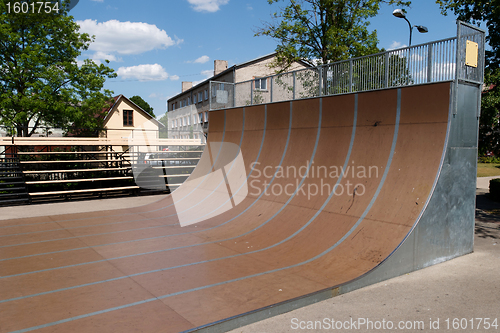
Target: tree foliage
column 164, row 130
column 489, row 124
column 41, row 83
column 475, row 12
column 143, row 104
column 323, row 30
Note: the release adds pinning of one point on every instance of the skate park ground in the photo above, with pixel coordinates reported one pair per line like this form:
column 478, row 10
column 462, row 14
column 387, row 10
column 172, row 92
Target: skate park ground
column 463, row 291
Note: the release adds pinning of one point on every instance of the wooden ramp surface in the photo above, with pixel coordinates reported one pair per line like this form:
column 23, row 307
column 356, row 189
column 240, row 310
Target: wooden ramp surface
column 290, row 235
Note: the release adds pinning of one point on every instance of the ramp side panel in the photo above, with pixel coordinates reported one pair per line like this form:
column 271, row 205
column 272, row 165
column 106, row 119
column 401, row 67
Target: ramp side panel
column 446, row 228
column 372, row 242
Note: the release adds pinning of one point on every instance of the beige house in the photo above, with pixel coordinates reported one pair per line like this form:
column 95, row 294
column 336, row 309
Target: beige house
column 124, row 117
column 196, row 99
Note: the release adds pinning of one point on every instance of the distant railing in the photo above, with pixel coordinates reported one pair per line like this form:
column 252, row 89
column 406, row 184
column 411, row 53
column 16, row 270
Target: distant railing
column 425, row 63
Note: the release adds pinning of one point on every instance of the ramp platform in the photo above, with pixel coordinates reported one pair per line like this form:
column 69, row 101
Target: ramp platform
column 292, row 202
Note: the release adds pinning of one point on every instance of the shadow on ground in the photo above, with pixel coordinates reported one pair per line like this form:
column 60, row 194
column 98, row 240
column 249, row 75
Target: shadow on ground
column 487, row 217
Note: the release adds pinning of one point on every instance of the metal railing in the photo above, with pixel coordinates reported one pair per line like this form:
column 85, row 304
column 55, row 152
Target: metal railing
column 442, row 60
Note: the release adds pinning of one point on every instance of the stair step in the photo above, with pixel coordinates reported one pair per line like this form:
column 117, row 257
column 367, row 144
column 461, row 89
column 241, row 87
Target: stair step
column 9, row 201
column 2, row 174
column 6, row 195
column 10, row 177
column 12, row 188
column 11, row 183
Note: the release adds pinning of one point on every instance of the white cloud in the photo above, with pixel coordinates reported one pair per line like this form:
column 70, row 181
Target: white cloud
column 125, row 37
column 396, row 45
column 174, row 77
column 161, row 97
column 143, row 72
column 207, row 73
column 207, row 5
column 202, row 60
column 104, row 56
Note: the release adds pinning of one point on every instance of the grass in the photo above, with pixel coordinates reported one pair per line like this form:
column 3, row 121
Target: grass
column 488, row 169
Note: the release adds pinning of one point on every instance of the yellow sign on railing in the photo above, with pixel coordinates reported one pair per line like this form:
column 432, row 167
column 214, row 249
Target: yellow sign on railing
column 471, row 54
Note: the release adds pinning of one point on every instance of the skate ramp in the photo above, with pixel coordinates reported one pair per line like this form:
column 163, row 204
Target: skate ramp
column 289, row 200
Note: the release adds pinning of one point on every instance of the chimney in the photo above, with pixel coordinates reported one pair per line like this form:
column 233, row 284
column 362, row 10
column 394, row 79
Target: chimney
column 219, row 66
column 186, row 85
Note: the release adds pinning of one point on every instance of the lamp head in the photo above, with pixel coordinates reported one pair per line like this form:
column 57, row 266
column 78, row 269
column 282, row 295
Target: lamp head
column 422, row 29
column 399, row 13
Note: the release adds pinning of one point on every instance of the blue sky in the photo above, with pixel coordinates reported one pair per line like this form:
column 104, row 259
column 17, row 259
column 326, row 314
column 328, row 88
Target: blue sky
column 154, row 45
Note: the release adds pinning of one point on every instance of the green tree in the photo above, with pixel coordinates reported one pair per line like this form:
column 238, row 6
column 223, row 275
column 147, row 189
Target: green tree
column 488, row 12
column 143, row 104
column 323, row 30
column 164, row 131
column 489, row 124
column 478, row 11
column 41, row 83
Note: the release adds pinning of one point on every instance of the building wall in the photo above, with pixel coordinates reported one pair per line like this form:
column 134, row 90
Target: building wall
column 261, row 69
column 115, row 128
column 187, row 98
column 185, row 123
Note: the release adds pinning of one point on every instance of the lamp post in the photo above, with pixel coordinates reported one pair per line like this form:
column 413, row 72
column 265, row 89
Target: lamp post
column 399, row 13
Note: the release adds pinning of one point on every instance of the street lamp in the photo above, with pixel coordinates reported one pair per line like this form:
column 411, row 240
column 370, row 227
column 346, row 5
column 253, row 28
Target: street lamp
column 399, row 13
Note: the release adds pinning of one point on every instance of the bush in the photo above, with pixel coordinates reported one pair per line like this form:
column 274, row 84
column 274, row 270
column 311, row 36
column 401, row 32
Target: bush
column 488, row 159
column 495, row 189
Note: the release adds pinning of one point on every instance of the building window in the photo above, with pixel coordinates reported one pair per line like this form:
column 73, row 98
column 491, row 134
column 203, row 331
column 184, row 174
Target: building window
column 200, row 115
column 200, row 97
column 173, row 106
column 189, row 101
column 261, row 84
column 206, row 116
column 188, row 119
column 206, row 94
column 128, row 118
column 194, row 99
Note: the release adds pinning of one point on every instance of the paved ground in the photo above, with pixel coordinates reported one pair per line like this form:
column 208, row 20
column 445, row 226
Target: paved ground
column 463, row 291
column 69, row 207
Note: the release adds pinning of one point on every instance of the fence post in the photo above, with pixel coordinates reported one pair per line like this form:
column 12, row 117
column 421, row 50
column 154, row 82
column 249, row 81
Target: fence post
column 386, row 63
column 320, row 85
column 457, row 65
column 429, row 63
column 210, row 95
column 350, row 75
column 234, row 94
column 271, row 88
column 251, row 92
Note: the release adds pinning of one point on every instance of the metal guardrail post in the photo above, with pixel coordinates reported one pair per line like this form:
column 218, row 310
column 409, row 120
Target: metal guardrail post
column 386, row 64
column 429, row 63
column 320, row 86
column 294, row 80
column 350, row 75
column 234, row 94
column 271, row 88
column 457, row 65
column 251, row 92
column 210, row 95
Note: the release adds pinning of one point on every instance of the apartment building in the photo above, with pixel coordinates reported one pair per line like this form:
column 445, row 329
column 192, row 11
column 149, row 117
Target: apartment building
column 188, row 111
